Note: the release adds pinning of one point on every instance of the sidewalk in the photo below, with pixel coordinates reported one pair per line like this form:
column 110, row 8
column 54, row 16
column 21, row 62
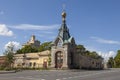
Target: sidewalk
column 3, row 72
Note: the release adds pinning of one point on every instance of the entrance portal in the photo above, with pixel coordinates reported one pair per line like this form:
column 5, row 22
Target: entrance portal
column 58, row 59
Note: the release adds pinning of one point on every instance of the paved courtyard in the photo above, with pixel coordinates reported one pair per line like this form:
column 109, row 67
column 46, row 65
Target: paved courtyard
column 113, row 74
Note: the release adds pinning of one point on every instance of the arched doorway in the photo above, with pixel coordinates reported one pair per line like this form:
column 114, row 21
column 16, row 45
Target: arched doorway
column 58, row 59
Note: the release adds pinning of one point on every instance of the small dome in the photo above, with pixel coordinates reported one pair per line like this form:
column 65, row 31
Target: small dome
column 64, row 14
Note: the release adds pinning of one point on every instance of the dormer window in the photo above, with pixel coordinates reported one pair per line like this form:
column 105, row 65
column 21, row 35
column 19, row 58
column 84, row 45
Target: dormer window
column 59, row 44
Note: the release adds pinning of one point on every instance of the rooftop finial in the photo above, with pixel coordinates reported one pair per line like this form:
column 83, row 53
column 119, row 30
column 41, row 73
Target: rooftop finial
column 63, row 13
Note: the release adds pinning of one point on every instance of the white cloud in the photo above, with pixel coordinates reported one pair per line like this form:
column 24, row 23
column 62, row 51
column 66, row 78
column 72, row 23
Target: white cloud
column 107, row 55
column 43, row 30
column 4, row 31
column 100, row 40
column 15, row 44
column 36, row 27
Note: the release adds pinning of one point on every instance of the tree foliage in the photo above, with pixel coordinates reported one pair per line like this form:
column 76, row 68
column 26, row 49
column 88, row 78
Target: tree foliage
column 82, row 50
column 110, row 62
column 9, row 56
column 94, row 55
column 45, row 46
column 117, row 59
column 29, row 49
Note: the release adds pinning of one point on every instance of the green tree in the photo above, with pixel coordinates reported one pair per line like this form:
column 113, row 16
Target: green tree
column 81, row 49
column 30, row 49
column 117, row 59
column 45, row 46
column 94, row 55
column 9, row 56
column 27, row 49
column 110, row 62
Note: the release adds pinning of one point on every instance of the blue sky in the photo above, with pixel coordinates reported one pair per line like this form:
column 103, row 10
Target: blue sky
column 93, row 23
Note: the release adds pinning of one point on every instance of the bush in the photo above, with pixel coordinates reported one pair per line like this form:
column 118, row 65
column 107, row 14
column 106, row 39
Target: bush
column 1, row 68
column 7, row 69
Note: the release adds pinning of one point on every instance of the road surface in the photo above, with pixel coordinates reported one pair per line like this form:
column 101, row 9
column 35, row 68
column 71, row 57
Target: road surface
column 112, row 74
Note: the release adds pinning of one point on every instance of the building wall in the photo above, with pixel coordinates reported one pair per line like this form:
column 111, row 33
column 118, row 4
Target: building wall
column 32, row 60
column 2, row 60
column 38, row 62
column 56, row 49
column 88, row 62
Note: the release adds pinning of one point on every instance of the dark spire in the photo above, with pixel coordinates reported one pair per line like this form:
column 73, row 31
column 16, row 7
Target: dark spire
column 64, row 31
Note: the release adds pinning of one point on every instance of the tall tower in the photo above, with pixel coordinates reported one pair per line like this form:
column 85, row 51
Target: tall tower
column 32, row 42
column 63, row 47
column 32, row 38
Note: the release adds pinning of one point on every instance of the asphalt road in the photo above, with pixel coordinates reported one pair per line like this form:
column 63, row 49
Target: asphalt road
column 112, row 74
